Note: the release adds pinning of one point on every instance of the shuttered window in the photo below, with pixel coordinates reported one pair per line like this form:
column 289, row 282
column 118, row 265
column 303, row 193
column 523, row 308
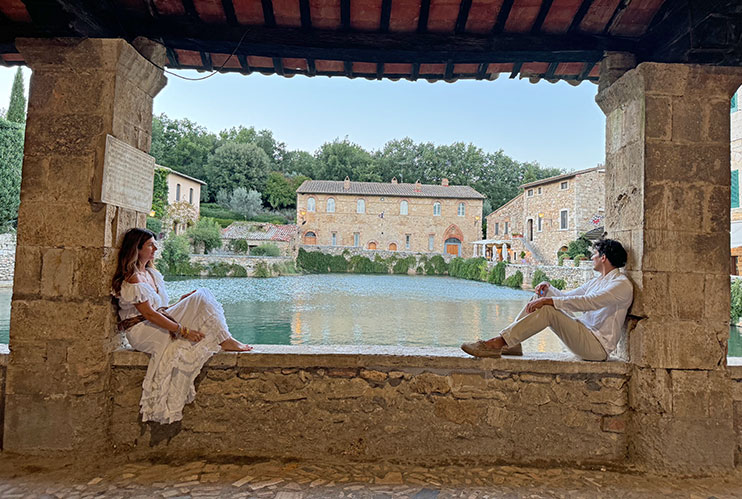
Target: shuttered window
column 735, row 188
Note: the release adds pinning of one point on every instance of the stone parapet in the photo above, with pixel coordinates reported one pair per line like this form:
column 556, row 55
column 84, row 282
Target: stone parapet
column 359, row 251
column 249, row 263
column 573, row 276
column 400, row 404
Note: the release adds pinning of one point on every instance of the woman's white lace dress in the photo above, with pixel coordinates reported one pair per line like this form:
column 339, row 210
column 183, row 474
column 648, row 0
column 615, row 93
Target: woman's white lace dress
column 174, row 363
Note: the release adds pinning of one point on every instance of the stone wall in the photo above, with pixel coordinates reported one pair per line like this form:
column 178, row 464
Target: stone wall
column 248, row 262
column 417, row 406
column 371, row 254
column 510, row 213
column 392, row 228
column 735, row 372
column 573, row 276
column 7, row 256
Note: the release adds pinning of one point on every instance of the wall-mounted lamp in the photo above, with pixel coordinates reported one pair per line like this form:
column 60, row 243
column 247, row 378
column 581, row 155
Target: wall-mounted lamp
column 152, row 213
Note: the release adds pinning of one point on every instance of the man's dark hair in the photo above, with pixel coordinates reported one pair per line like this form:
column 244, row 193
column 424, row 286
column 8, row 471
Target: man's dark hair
column 612, row 250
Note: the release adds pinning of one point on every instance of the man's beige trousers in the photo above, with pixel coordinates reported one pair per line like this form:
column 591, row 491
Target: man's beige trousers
column 575, row 335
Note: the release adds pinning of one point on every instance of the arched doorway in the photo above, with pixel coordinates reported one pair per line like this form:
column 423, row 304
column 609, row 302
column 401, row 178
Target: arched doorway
column 392, row 246
column 310, row 238
column 372, row 245
column 453, row 246
column 530, row 229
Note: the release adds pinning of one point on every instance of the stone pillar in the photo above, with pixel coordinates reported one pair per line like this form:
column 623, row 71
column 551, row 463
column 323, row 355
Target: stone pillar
column 667, row 200
column 62, row 320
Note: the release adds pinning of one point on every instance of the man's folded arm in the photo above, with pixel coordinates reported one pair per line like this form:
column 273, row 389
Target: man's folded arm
column 618, row 292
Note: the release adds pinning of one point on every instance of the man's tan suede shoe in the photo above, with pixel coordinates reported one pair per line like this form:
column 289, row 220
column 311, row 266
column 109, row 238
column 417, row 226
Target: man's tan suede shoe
column 516, row 350
column 481, row 349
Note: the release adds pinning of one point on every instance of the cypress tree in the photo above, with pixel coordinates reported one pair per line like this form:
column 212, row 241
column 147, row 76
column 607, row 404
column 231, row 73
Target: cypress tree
column 17, row 107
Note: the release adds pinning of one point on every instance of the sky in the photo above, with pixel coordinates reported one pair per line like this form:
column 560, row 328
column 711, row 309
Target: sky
column 557, row 125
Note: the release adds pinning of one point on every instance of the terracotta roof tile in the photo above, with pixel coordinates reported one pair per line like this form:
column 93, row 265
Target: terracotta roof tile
column 388, row 189
column 267, row 232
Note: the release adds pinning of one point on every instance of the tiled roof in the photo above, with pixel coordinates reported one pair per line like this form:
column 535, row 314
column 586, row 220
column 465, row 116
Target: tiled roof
column 560, row 177
column 170, row 170
column 270, row 232
column 388, row 189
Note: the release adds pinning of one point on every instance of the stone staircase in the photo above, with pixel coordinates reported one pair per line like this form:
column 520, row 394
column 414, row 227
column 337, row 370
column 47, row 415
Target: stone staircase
column 538, row 257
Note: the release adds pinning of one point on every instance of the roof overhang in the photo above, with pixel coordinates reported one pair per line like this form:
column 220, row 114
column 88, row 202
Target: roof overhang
column 411, row 39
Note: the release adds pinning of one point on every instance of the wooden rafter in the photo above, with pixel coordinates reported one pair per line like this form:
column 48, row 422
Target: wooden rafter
column 229, row 12
column 516, row 69
column 482, row 70
column 579, row 16
column 190, row 10
column 549, row 75
column 345, row 14
column 244, row 65
column 306, row 14
column 586, row 71
column 278, row 66
column 386, row 14
column 268, row 17
column 502, row 16
column 464, row 8
column 620, row 8
column 206, row 61
column 542, row 13
column 311, row 68
column 172, row 57
column 422, row 21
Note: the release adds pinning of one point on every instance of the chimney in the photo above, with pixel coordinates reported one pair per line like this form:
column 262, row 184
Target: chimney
column 418, row 186
column 444, row 183
column 394, row 180
column 346, row 184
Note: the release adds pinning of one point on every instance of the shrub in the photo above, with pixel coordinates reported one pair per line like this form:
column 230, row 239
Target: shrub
column 562, row 255
column 223, row 269
column 403, row 266
column 267, row 249
column 579, row 247
column 213, row 210
column 362, row 265
column 419, row 270
column 578, row 259
column 515, row 280
column 274, row 218
column 539, row 276
column 206, row 233
column 497, row 274
column 262, row 270
column 440, row 266
column 315, row 262
column 558, row 283
column 154, row 224
column 239, row 246
column 522, row 254
column 456, row 267
column 736, row 308
column 238, row 270
column 175, row 253
column 284, row 268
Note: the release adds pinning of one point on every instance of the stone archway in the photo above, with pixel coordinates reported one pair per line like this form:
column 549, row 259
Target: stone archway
column 372, row 245
column 392, row 246
column 310, row 237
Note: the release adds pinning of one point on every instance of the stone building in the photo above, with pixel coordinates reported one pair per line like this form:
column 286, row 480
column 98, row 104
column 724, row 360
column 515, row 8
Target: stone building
column 549, row 213
column 395, row 216
column 256, row 234
column 183, row 199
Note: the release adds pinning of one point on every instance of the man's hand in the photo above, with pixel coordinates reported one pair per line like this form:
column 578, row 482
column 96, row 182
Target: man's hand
column 537, row 304
column 542, row 288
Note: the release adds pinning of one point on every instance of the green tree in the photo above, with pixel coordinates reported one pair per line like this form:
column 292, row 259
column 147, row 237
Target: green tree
column 11, row 161
column 278, row 191
column 206, row 233
column 339, row 159
column 264, row 139
column 17, row 108
column 182, row 145
column 159, row 193
column 246, row 203
column 236, row 165
column 175, row 253
column 299, row 163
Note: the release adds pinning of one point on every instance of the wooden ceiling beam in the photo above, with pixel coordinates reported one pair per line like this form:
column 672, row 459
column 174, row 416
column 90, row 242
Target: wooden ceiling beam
column 550, row 71
column 482, row 71
column 542, row 13
column 269, row 17
column 422, row 21
column 502, row 16
column 190, row 10
column 579, row 16
column 448, row 75
column 516, row 69
column 244, row 65
column 585, row 73
column 206, row 61
column 464, row 8
column 311, row 68
column 278, row 66
column 172, row 58
column 306, row 14
column 345, row 14
column 229, row 12
column 379, row 70
column 616, row 16
column 386, row 14
column 348, row 68
column 415, row 71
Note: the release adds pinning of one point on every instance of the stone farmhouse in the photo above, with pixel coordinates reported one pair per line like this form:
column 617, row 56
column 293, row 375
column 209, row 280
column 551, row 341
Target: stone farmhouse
column 256, row 234
column 394, row 216
column 183, row 199
column 542, row 220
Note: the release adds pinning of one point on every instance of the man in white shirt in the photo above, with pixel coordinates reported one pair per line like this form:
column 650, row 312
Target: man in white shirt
column 604, row 300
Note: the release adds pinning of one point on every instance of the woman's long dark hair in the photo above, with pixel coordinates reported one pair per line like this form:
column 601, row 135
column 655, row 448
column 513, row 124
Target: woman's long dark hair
column 134, row 240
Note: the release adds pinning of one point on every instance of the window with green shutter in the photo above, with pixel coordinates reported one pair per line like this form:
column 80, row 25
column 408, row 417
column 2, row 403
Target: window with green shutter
column 735, row 188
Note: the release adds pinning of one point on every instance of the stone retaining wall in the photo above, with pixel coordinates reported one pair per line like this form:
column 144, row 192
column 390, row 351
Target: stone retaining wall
column 7, row 256
column 356, row 250
column 248, row 262
column 573, row 276
column 419, row 405
column 735, row 372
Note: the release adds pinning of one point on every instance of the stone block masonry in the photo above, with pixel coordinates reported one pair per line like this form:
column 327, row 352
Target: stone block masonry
column 405, row 405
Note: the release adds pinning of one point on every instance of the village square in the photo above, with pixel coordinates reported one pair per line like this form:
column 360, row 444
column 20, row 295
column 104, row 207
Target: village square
column 195, row 313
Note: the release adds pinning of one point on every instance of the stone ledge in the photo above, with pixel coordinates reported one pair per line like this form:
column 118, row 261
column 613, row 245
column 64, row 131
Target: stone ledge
column 380, row 357
column 734, row 366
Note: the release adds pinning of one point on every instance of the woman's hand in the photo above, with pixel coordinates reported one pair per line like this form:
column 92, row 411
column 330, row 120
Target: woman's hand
column 193, row 336
column 187, row 295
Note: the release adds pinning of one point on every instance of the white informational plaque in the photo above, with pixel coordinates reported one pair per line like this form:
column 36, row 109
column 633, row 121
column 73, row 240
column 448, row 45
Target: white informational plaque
column 128, row 176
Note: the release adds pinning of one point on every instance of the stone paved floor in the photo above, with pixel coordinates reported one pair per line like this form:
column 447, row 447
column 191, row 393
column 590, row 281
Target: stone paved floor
column 118, row 478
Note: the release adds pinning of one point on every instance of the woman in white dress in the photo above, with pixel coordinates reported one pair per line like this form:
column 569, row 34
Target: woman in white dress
column 180, row 338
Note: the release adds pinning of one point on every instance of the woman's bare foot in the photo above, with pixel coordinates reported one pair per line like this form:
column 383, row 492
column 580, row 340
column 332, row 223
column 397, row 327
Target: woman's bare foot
column 232, row 345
